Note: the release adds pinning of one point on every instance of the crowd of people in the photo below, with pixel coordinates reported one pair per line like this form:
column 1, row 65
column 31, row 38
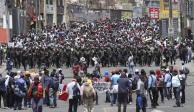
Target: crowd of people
column 111, row 41
column 103, row 43
column 24, row 90
column 166, row 83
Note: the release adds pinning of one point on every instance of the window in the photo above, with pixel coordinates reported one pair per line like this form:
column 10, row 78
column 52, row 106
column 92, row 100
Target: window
column 49, row 2
column 59, row 2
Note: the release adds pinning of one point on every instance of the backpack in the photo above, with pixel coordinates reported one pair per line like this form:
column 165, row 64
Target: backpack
column 181, row 81
column 19, row 89
column 146, row 84
column 39, row 90
column 186, row 71
column 88, row 92
column 134, row 83
column 76, row 91
column 35, row 91
column 54, row 83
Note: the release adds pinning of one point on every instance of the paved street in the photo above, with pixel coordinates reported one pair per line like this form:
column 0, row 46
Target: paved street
column 35, row 33
column 105, row 107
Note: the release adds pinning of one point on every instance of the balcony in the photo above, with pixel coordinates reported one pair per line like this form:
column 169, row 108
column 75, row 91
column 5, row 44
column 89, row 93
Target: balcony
column 60, row 9
column 49, row 9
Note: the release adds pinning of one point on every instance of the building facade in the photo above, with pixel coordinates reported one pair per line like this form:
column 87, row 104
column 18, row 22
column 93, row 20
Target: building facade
column 52, row 12
column 2, row 12
column 4, row 23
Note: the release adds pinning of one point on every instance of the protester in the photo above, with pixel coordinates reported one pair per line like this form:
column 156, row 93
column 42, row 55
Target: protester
column 88, row 95
column 60, row 76
column 152, row 86
column 9, row 85
column 167, row 84
column 123, row 92
column 35, row 92
column 114, row 86
column 176, row 85
column 2, row 90
column 52, row 89
column 73, row 90
column 160, row 84
column 45, row 82
column 182, row 79
column 20, row 91
column 141, row 101
column 28, row 80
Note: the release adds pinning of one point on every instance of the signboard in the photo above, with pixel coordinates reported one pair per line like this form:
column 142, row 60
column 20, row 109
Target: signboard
column 154, row 13
column 174, row 4
column 101, row 86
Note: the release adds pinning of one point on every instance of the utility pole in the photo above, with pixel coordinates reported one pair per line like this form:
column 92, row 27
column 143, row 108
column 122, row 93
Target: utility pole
column 180, row 20
column 37, row 6
column 170, row 28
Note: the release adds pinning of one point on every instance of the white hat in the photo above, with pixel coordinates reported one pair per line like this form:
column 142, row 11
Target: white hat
column 167, row 69
column 59, row 69
column 82, row 59
column 18, row 72
column 136, row 70
column 42, row 72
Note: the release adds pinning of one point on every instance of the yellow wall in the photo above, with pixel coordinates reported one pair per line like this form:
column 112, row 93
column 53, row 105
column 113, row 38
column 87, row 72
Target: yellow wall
column 164, row 13
column 126, row 15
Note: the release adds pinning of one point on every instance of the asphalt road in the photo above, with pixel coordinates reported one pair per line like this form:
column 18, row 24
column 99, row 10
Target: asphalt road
column 167, row 106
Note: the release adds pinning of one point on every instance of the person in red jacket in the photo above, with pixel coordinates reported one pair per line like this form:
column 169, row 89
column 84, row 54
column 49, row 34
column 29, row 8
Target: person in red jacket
column 76, row 68
column 36, row 93
column 160, row 84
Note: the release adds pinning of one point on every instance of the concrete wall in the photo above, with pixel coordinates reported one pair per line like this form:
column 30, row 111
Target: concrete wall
column 2, row 11
column 192, row 22
column 4, row 35
column 2, row 5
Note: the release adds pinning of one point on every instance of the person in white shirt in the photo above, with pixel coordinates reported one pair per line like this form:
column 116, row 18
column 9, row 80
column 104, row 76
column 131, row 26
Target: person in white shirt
column 73, row 90
column 176, row 84
column 131, row 64
column 141, row 101
column 182, row 78
column 167, row 84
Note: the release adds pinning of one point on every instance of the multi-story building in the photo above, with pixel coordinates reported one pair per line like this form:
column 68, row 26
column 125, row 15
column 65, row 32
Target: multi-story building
column 89, row 10
column 52, row 12
column 2, row 12
column 4, row 19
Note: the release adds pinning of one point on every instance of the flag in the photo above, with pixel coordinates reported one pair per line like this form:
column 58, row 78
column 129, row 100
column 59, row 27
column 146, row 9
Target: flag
column 63, row 94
